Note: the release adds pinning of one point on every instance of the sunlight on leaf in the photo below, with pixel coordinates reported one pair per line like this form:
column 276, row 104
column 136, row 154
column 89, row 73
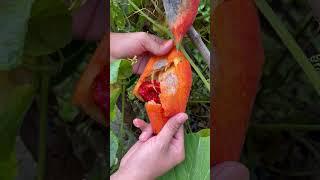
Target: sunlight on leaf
column 120, row 70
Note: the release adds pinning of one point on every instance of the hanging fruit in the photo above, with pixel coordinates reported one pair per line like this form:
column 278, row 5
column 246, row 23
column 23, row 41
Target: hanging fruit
column 164, row 86
column 180, row 16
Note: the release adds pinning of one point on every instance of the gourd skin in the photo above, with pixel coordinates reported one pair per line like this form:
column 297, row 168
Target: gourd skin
column 174, row 74
column 237, row 69
column 85, row 90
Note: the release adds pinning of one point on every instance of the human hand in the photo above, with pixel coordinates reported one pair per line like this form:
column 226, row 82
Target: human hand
column 230, row 171
column 140, row 44
column 152, row 156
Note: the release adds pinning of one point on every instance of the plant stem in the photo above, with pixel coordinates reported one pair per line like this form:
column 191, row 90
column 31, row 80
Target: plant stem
column 307, row 144
column 296, row 127
column 199, row 101
column 43, row 107
column 290, row 43
column 148, row 18
column 189, row 127
column 195, row 67
column 294, row 173
column 196, row 39
column 123, row 100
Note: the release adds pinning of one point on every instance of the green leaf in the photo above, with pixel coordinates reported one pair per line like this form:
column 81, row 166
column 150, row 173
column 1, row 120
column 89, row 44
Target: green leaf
column 204, row 133
column 63, row 91
column 12, row 112
column 196, row 165
column 15, row 99
column 49, row 27
column 114, row 95
column 67, row 110
column 120, row 70
column 114, row 144
column 14, row 15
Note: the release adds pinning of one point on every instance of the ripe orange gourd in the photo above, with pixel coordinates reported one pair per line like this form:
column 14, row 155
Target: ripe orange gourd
column 91, row 90
column 164, row 85
column 237, row 68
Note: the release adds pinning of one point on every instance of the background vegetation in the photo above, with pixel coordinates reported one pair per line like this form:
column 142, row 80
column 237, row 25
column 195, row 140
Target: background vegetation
column 283, row 139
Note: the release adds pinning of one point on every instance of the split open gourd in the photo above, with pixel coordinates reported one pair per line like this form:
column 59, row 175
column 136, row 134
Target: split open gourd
column 165, row 86
column 91, row 92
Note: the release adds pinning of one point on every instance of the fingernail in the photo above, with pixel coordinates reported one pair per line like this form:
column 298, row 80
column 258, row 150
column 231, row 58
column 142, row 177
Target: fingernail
column 167, row 42
column 135, row 122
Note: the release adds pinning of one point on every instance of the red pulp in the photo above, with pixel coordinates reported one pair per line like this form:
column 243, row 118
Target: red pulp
column 150, row 90
column 100, row 90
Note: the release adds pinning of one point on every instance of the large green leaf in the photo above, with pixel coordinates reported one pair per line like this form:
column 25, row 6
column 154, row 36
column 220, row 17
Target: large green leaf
column 49, row 27
column 14, row 15
column 114, row 144
column 15, row 98
column 196, row 165
column 120, row 70
column 114, row 95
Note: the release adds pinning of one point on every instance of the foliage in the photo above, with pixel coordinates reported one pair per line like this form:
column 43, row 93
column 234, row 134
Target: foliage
column 18, row 98
column 113, row 148
column 196, row 166
column 13, row 34
column 120, row 71
column 43, row 36
column 281, row 142
column 36, row 41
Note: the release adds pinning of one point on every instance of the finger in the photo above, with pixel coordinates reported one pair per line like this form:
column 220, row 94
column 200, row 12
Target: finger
column 178, row 140
column 139, row 123
column 230, row 171
column 146, row 134
column 155, row 45
column 145, row 128
column 172, row 127
column 141, row 64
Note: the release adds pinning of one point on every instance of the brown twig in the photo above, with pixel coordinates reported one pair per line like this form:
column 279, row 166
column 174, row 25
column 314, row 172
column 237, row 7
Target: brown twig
column 196, row 39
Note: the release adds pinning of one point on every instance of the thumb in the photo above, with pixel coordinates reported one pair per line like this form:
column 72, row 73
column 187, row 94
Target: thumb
column 172, row 127
column 230, row 171
column 155, row 45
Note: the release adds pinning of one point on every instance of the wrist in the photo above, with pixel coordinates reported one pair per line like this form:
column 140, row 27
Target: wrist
column 123, row 174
